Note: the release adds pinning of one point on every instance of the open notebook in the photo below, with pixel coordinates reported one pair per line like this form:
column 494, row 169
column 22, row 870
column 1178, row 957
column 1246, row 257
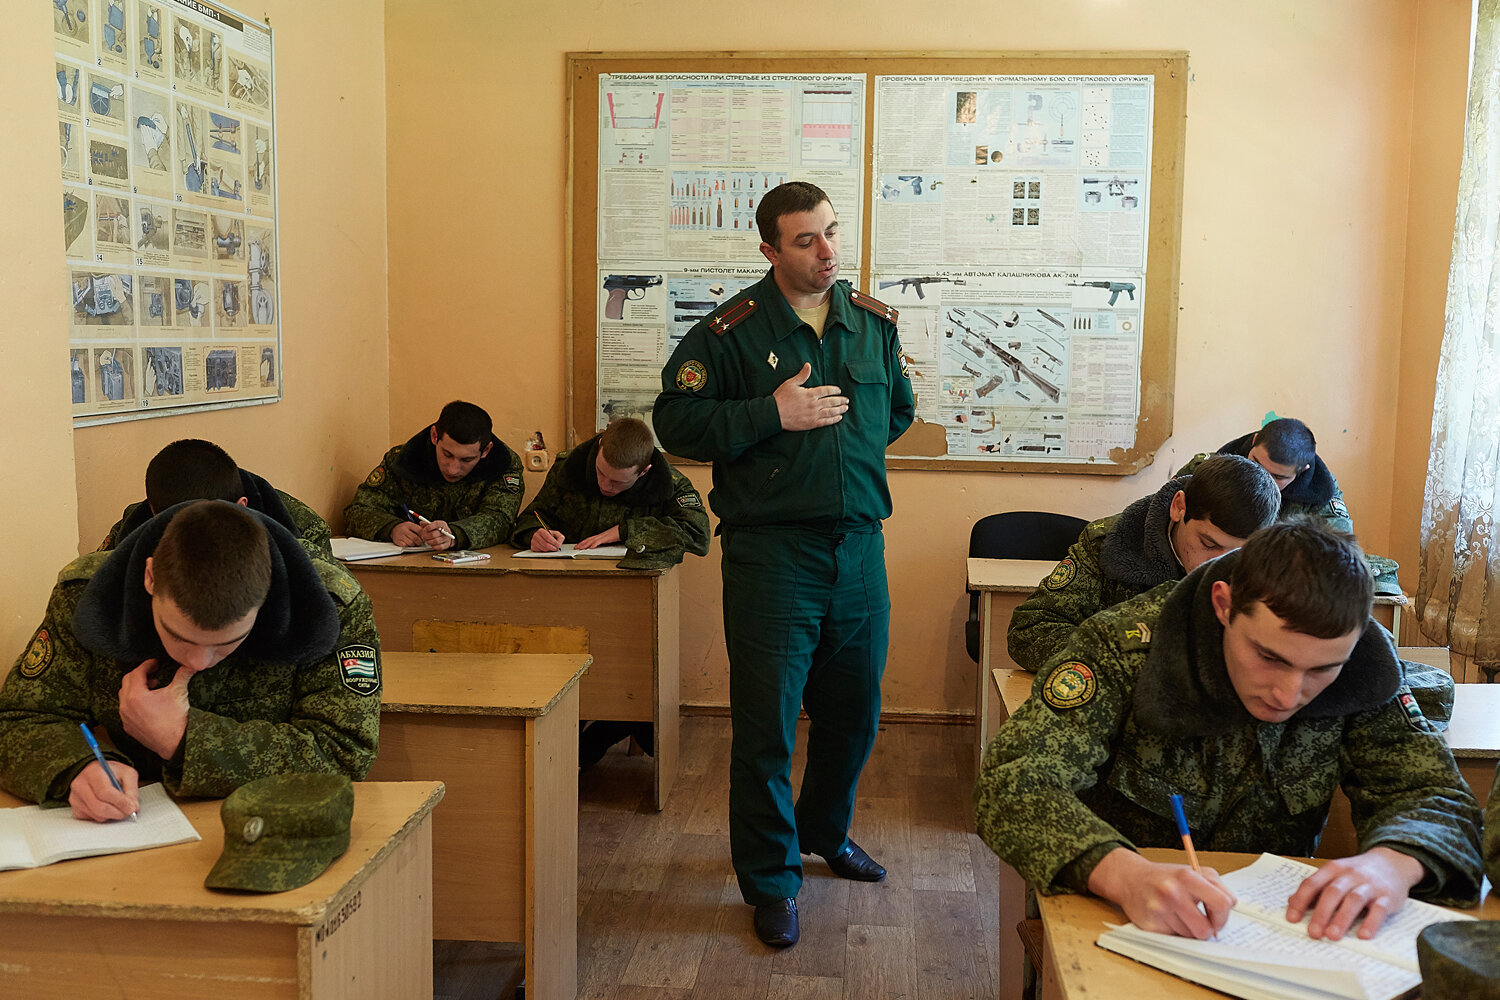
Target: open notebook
column 31, row 836
column 354, row 549
column 1259, row 956
column 569, row 552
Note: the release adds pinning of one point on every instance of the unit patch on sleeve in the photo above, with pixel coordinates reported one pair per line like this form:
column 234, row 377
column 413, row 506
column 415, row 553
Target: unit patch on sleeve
column 1337, row 508
column 38, row 655
column 1408, row 703
column 377, row 476
column 692, row 375
column 1062, row 574
column 359, row 668
column 1070, row 685
column 689, row 500
column 513, row 481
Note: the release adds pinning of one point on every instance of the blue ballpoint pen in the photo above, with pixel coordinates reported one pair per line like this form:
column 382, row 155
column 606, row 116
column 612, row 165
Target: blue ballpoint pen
column 99, row 756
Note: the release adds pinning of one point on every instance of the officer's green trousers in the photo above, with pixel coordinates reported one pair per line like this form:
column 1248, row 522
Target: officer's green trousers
column 807, row 623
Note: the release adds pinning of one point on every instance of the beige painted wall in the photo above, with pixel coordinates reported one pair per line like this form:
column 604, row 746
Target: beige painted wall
column 321, row 438
column 36, row 449
column 1297, row 203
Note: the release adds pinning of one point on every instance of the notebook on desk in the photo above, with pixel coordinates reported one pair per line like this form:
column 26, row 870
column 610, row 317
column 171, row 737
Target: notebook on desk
column 31, row 836
column 355, row 549
column 569, row 552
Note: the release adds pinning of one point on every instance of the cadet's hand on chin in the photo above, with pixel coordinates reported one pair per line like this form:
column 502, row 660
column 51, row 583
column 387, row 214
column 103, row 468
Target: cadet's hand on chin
column 157, row 719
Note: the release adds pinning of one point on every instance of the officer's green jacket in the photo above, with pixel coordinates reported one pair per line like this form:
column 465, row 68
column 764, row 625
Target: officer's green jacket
column 1139, row 706
column 1314, row 492
column 1114, row 559
column 660, row 517
column 301, row 694
column 480, row 508
column 716, row 406
column 283, row 508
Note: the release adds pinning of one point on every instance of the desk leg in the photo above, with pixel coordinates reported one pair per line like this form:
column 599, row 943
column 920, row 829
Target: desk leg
column 981, row 693
column 1012, row 953
column 552, row 852
column 667, row 707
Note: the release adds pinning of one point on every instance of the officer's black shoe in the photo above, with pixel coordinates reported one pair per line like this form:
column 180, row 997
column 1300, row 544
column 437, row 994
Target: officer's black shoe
column 597, row 737
column 851, row 861
column 645, row 735
column 776, row 923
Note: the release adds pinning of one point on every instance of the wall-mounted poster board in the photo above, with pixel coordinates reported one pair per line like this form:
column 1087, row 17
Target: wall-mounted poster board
column 166, row 135
column 1020, row 210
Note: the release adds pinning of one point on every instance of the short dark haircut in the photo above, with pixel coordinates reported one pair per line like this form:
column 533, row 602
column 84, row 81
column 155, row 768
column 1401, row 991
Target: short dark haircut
column 784, row 199
column 1288, row 442
column 214, row 562
column 1236, row 494
column 1311, row 577
column 465, row 423
column 191, row 469
column 627, row 444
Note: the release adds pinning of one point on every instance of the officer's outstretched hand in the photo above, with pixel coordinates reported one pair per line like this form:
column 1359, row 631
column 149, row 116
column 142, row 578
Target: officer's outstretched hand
column 1161, row 897
column 157, row 718
column 1374, row 883
column 803, row 408
column 91, row 795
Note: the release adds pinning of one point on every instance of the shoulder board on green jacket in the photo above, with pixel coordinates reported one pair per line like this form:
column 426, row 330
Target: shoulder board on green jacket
column 84, row 567
column 344, row 588
column 732, row 317
column 871, row 304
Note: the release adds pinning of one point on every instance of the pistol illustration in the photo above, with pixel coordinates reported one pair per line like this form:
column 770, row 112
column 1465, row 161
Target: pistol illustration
column 630, row 286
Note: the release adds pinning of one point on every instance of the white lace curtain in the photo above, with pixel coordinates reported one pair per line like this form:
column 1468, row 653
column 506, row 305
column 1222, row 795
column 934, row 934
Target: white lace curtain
column 1455, row 604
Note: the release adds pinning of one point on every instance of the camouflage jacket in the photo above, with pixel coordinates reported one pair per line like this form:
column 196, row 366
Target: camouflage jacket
column 1138, row 706
column 660, row 518
column 1114, row 559
column 1492, row 833
column 480, row 508
column 301, row 694
column 283, row 508
column 1314, row 492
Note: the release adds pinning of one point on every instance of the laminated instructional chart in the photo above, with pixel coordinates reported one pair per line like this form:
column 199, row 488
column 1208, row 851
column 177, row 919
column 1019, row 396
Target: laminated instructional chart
column 683, row 161
column 1009, row 228
column 166, row 140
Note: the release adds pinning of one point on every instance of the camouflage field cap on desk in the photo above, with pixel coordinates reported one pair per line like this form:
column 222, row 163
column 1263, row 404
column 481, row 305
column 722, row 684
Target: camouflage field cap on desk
column 282, row 831
column 1460, row 960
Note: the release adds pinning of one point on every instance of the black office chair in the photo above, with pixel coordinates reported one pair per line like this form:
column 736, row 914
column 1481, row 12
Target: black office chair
column 1017, row 534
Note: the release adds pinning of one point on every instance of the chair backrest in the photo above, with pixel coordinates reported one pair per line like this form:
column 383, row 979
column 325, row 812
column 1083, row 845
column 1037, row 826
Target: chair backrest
column 1024, row 534
column 491, row 637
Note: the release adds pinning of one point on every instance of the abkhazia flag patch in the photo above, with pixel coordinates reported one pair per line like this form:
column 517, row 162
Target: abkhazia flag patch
column 359, row 668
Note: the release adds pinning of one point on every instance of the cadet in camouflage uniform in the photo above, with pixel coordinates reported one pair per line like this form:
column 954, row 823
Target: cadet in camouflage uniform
column 455, row 473
column 617, row 489
column 1212, row 689
column 1287, row 450
column 193, row 469
column 291, row 685
column 793, row 389
column 1156, row 539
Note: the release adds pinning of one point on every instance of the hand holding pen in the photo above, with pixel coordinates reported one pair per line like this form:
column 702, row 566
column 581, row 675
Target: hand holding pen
column 431, row 530
column 103, row 792
column 544, row 539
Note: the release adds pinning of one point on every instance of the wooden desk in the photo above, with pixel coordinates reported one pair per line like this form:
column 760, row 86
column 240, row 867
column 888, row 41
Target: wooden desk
column 1076, row 967
column 631, row 615
column 501, row 731
column 142, row 925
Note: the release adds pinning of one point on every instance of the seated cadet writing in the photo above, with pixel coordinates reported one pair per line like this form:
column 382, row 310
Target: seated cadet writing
column 1158, row 538
column 616, row 489
column 455, row 474
column 1254, row 687
column 1287, row 450
column 211, row 648
column 192, row 469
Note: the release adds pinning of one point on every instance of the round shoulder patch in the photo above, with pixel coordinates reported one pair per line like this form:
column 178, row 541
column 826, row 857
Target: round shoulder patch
column 1062, row 574
column 376, row 477
column 1070, row 685
column 38, row 655
column 692, row 375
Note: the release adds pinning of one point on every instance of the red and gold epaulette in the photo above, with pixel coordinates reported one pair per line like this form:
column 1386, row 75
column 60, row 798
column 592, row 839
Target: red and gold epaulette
column 870, row 303
column 732, row 317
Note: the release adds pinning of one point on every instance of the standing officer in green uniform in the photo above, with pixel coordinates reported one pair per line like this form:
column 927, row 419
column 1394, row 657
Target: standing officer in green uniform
column 1158, row 538
column 211, row 648
column 1254, row 688
column 616, row 489
column 193, row 469
column 793, row 389
column 1286, row 448
column 455, row 473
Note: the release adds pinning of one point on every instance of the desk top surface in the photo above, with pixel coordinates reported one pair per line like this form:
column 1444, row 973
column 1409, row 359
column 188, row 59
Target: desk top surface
column 501, row 561
column 524, row 684
column 1074, row 923
column 167, row 882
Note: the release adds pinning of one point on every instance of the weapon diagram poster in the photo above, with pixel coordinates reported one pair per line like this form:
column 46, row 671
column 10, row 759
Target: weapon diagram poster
column 683, row 160
column 1009, row 227
column 166, row 138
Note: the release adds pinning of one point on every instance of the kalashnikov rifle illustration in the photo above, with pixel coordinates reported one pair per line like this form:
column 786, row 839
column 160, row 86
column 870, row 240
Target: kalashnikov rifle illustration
column 628, row 286
column 1113, row 287
column 1016, row 365
column 917, row 283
